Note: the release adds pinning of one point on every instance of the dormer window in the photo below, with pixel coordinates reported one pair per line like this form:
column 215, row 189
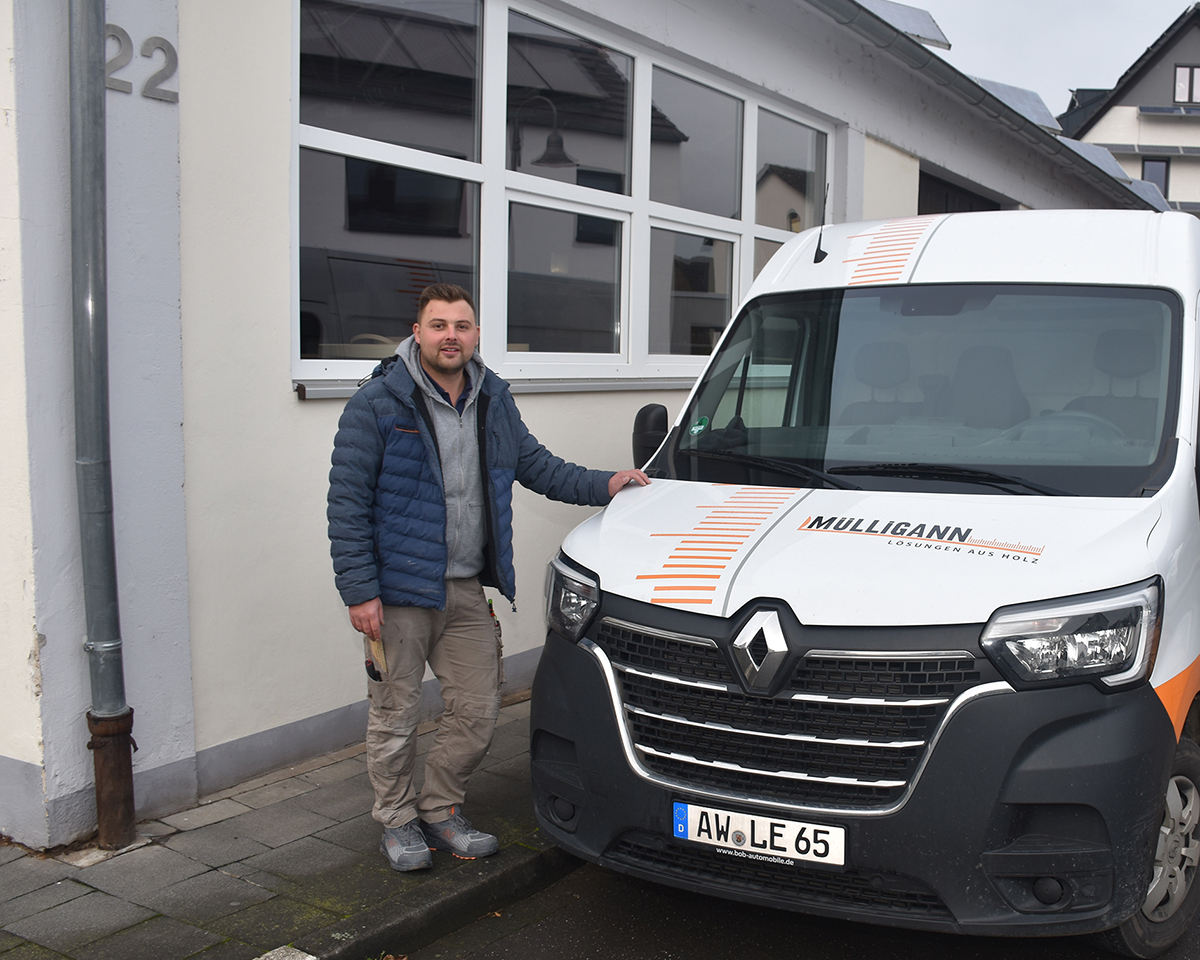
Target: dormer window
column 1187, row 84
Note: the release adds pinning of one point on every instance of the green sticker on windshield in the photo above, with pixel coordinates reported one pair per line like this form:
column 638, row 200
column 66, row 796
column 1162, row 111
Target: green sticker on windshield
column 699, row 427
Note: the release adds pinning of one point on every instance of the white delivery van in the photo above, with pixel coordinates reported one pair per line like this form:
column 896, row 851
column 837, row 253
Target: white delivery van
column 907, row 627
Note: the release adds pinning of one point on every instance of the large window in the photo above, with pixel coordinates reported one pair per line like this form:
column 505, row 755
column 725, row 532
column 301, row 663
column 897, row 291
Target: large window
column 607, row 205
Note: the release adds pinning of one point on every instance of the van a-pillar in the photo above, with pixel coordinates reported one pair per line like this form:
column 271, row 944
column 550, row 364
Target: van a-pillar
column 110, row 721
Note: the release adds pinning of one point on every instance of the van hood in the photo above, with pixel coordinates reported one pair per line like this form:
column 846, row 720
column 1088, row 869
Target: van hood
column 854, row 557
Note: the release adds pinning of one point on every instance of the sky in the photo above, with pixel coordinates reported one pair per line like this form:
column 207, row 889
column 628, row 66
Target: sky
column 1051, row 46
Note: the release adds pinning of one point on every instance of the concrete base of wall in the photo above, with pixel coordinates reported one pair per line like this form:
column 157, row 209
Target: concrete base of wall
column 238, row 760
column 30, row 819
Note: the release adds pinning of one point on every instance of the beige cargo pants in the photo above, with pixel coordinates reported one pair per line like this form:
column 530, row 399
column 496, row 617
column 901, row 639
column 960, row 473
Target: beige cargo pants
column 460, row 645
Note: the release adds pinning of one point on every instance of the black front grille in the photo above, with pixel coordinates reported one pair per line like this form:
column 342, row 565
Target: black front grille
column 695, row 712
column 847, row 891
column 663, row 654
column 883, row 677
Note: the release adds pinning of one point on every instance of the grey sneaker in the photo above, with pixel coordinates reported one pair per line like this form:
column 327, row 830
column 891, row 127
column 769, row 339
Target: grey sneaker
column 458, row 836
column 405, row 847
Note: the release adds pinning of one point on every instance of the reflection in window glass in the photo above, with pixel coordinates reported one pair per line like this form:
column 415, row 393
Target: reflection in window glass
column 372, row 237
column 563, row 292
column 789, row 188
column 690, row 283
column 764, row 250
column 402, row 71
column 569, row 106
column 696, row 146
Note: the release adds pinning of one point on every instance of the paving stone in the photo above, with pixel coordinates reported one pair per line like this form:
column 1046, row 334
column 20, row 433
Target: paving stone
column 355, row 888
column 202, row 816
column 280, row 823
column 218, row 844
column 267, row 925
column 42, row 899
column 31, row 951
column 206, row 897
column 9, row 853
column 354, row 750
column 21, row 876
column 275, row 792
column 306, row 857
column 516, row 711
column 230, row 950
column 340, row 801
column 361, row 834
column 515, row 768
column 499, row 795
column 140, row 872
column 79, row 921
column 159, row 938
column 8, row 941
column 342, row 770
column 505, row 745
column 155, row 828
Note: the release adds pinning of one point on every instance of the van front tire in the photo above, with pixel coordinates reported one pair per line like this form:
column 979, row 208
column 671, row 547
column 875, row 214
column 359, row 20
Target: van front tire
column 1173, row 898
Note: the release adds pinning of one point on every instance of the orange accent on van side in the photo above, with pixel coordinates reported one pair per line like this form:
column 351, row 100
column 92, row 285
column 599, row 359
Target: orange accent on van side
column 1178, row 693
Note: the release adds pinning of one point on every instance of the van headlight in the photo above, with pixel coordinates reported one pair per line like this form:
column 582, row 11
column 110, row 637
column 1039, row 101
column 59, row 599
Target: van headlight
column 572, row 598
column 1110, row 637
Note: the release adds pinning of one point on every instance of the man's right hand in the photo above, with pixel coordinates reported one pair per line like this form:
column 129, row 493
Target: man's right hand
column 367, row 617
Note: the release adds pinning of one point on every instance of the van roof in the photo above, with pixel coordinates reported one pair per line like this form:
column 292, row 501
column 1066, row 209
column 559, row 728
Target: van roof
column 1133, row 248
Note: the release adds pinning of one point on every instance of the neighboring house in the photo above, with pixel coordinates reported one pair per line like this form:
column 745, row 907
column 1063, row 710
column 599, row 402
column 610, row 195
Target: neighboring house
column 608, row 176
column 1150, row 121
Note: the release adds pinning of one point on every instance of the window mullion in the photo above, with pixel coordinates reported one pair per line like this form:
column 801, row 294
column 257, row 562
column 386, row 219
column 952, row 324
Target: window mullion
column 493, row 212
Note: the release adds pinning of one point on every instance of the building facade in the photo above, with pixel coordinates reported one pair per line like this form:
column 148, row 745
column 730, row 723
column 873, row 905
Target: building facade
column 1150, row 120
column 607, row 176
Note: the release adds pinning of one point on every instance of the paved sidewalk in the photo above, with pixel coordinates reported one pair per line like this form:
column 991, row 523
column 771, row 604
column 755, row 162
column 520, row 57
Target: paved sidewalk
column 289, row 860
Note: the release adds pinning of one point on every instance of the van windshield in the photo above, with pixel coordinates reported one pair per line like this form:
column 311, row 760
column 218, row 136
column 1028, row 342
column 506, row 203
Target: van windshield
column 988, row 389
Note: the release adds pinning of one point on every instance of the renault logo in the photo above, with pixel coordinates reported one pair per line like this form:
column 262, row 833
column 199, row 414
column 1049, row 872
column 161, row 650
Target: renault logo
column 760, row 649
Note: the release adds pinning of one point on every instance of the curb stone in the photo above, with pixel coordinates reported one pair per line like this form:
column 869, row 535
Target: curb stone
column 437, row 907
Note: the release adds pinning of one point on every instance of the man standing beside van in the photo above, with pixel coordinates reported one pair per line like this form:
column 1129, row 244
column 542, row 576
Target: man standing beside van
column 420, row 519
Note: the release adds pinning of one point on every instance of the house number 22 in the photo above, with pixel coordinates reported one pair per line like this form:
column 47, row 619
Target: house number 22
column 153, row 86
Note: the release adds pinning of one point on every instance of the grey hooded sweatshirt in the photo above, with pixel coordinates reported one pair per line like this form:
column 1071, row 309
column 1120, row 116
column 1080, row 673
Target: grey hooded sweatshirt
column 462, row 475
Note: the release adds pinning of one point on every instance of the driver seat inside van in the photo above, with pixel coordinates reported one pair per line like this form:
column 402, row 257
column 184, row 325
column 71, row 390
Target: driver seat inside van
column 1124, row 355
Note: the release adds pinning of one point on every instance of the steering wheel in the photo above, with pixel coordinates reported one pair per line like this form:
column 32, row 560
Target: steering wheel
column 1096, row 425
column 372, row 338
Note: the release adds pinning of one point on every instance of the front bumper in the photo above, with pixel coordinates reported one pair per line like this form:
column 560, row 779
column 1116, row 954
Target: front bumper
column 1064, row 784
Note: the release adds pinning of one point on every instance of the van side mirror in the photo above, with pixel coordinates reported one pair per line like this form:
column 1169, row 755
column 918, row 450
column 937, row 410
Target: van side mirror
column 649, row 431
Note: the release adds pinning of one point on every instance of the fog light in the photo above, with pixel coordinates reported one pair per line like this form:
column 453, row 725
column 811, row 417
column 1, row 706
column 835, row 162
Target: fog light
column 563, row 810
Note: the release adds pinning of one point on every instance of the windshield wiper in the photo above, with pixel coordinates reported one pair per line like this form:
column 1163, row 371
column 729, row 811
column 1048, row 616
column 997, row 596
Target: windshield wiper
column 782, row 466
column 941, row 471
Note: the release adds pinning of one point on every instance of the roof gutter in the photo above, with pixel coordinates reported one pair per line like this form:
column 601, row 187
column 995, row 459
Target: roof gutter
column 908, row 51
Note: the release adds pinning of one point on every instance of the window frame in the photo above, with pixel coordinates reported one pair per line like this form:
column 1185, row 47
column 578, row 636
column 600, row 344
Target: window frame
column 499, row 187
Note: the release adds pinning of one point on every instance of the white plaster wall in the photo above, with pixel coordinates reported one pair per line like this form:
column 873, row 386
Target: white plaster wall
column 20, row 721
column 1118, row 125
column 891, row 181
column 146, row 407
column 1184, row 181
column 270, row 641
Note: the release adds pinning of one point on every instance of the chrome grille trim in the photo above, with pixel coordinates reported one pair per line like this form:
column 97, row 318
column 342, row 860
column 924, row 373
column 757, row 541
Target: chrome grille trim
column 668, row 678
column 869, row 701
column 609, row 672
column 890, row 654
column 778, row 774
column 795, row 737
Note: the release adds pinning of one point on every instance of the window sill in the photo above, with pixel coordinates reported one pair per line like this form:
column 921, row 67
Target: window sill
column 341, row 389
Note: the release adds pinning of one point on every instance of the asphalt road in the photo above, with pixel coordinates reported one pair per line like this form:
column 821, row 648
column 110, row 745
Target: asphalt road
column 595, row 914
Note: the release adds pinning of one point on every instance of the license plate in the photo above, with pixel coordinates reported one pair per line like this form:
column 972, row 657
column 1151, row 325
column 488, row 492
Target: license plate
column 753, row 837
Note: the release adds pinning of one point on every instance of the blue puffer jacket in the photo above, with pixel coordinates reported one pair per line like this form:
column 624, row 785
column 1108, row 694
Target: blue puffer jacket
column 387, row 512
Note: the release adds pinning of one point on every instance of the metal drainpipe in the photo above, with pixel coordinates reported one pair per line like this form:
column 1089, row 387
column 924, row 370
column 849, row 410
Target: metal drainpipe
column 110, row 721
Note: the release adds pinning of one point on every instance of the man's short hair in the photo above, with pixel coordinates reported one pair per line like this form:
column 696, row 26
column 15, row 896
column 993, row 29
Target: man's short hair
column 446, row 292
